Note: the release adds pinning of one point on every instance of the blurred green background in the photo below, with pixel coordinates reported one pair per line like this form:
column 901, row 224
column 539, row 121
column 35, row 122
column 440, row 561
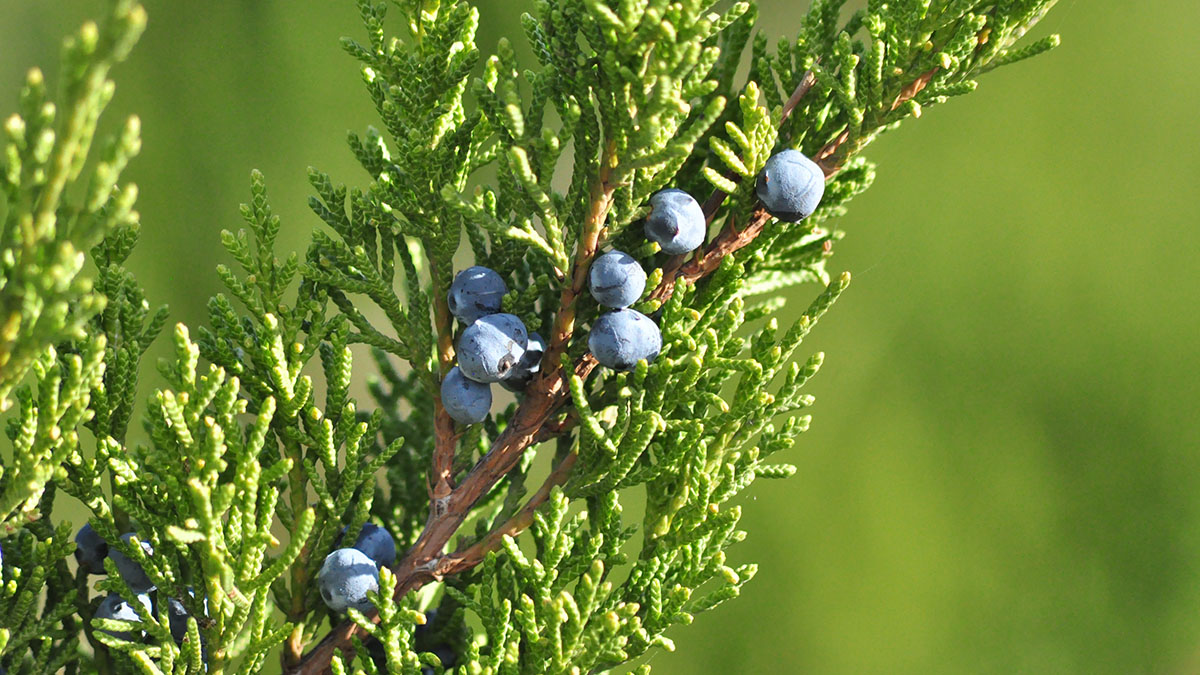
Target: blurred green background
column 1003, row 473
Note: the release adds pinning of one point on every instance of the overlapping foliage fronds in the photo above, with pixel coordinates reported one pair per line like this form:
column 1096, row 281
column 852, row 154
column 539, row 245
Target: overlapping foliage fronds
column 62, row 196
column 258, row 461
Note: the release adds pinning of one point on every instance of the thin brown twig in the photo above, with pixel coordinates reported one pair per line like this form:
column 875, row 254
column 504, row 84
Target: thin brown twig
column 445, row 437
column 522, row 519
column 915, row 87
column 589, row 243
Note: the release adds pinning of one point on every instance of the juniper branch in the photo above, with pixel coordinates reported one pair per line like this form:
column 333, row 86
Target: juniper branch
column 425, row 563
column 644, row 108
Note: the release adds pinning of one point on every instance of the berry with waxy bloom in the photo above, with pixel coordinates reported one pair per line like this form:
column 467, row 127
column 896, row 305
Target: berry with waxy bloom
column 616, row 280
column 466, row 400
column 790, row 186
column 620, row 339
column 345, row 578
column 491, row 348
column 676, row 222
column 475, row 292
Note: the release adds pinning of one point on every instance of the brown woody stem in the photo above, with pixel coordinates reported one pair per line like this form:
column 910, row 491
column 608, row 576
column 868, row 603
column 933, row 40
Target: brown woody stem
column 475, row 553
column 445, row 437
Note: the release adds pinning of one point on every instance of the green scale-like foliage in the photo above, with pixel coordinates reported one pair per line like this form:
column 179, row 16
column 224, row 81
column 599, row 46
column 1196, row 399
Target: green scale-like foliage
column 259, row 461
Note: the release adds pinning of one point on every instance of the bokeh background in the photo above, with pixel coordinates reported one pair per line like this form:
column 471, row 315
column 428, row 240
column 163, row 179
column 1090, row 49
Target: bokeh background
column 1003, row 474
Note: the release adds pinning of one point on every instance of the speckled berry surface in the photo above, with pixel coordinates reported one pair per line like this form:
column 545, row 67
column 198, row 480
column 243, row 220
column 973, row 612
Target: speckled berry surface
column 466, row 400
column 490, row 348
column 177, row 618
column 620, row 339
column 790, row 186
column 346, row 577
column 529, row 365
column 675, row 222
column 475, row 292
column 377, row 543
column 616, row 279
column 90, row 550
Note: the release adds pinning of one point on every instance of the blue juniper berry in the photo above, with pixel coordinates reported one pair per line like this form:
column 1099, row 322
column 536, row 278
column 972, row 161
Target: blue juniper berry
column 130, row 570
column 115, row 608
column 475, row 292
column 90, row 550
column 616, row 280
column 177, row 616
column 466, row 400
column 345, row 578
column 790, row 186
column 377, row 543
column 620, row 339
column 490, row 348
column 675, row 221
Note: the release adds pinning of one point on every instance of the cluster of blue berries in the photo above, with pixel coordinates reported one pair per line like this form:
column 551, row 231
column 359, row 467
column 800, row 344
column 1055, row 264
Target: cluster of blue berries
column 790, row 187
column 90, row 551
column 494, row 347
column 621, row 338
column 348, row 574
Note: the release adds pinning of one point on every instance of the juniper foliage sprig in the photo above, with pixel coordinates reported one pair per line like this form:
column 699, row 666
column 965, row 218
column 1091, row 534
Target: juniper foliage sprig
column 48, row 227
column 259, row 461
column 46, row 299
column 699, row 424
column 61, row 198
